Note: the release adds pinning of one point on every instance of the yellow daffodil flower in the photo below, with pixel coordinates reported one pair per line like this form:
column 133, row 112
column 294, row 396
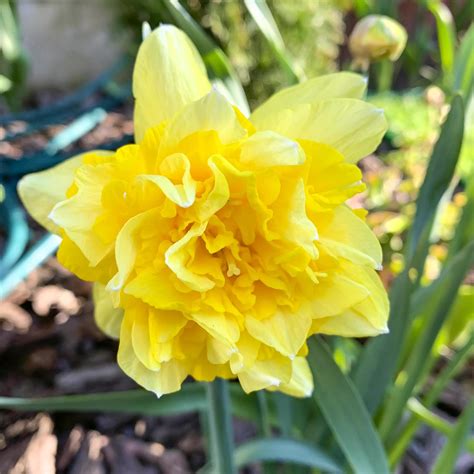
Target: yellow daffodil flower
column 219, row 243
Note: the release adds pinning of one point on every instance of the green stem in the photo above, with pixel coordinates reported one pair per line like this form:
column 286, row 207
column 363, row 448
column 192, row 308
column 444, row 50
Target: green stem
column 220, row 428
column 265, row 424
column 384, row 75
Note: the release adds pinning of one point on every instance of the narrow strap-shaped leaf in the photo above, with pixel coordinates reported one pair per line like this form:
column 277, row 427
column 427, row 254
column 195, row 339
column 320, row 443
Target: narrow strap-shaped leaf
column 440, row 307
column 446, row 36
column 464, row 65
column 284, row 450
column 380, row 357
column 448, row 456
column 345, row 412
column 263, row 17
column 191, row 397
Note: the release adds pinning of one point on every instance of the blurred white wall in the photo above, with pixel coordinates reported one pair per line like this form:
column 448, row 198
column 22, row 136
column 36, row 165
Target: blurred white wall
column 68, row 41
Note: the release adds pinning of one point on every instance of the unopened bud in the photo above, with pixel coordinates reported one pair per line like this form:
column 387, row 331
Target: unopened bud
column 377, row 37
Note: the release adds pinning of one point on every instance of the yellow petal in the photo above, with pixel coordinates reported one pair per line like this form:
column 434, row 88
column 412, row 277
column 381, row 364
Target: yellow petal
column 348, row 236
column 375, row 308
column 351, row 126
column 330, row 86
column 169, row 73
column 165, row 325
column 157, row 289
column 348, row 324
column 301, row 382
column 211, row 112
column 264, row 149
column 220, row 326
column 41, row 191
column 367, row 317
column 78, row 214
column 290, row 220
column 218, row 196
column 271, row 372
column 167, row 379
column 107, row 317
column 284, row 331
column 181, row 194
column 177, row 256
column 126, row 247
column 327, row 300
column 141, row 340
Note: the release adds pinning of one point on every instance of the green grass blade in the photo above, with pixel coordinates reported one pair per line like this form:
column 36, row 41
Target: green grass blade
column 263, row 17
column 448, row 456
column 191, row 397
column 464, row 65
column 438, row 177
column 379, row 360
column 440, row 306
column 345, row 412
column 446, row 37
column 284, row 450
column 216, row 61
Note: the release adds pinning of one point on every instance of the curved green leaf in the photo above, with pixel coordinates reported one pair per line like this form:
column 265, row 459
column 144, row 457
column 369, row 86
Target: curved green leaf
column 284, row 450
column 446, row 36
column 380, row 357
column 191, row 397
column 448, row 456
column 263, row 17
column 345, row 412
column 464, row 65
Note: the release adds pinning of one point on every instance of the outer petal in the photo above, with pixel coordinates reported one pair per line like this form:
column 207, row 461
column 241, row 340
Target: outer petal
column 211, row 112
column 301, row 382
column 367, row 317
column 108, row 318
column 271, row 372
column 78, row 214
column 285, row 332
column 330, row 86
column 351, row 126
column 348, row 236
column 40, row 192
column 169, row 73
column 264, row 149
column 167, row 379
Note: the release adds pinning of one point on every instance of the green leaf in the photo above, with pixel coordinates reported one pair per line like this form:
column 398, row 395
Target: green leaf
column 439, row 308
column 284, row 450
column 379, row 360
column 191, row 397
column 464, row 65
column 345, row 412
column 217, row 62
column 263, row 17
column 438, row 177
column 446, row 36
column 448, row 456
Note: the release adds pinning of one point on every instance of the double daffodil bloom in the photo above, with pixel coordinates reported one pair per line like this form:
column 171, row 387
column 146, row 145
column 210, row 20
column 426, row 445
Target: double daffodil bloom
column 219, row 243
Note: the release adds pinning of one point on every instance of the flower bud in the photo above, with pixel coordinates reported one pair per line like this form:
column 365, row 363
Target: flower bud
column 377, row 37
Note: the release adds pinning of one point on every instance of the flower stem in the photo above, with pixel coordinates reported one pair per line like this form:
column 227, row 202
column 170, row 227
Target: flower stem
column 220, row 428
